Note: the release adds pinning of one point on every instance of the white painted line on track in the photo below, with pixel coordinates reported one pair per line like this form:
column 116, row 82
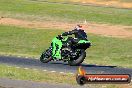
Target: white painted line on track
column 26, row 57
column 62, row 72
column 53, row 71
column 9, row 66
column 44, row 70
column 17, row 67
column 71, row 73
column 7, row 55
column 104, row 86
column 35, row 69
column 18, row 56
column 41, row 70
column 36, row 58
column 26, row 68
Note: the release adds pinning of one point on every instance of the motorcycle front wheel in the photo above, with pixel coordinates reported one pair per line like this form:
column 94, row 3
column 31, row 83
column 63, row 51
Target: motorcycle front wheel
column 46, row 56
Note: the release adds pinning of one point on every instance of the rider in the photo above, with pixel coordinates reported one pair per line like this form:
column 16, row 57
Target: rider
column 78, row 32
column 79, row 35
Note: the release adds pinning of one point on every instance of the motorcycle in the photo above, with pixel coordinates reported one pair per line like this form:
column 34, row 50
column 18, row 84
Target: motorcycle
column 64, row 49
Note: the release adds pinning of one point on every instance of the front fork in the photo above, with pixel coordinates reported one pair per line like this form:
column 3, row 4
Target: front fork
column 56, row 51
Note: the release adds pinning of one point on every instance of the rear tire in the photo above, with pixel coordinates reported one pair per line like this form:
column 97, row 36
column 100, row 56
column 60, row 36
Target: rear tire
column 79, row 60
column 46, row 56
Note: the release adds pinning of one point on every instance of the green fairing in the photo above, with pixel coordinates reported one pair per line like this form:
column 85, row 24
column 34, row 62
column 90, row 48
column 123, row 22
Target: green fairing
column 56, row 45
column 84, row 41
column 64, row 39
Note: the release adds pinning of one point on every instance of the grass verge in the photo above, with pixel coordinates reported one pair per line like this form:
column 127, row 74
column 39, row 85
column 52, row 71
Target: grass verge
column 32, row 42
column 64, row 12
column 40, row 76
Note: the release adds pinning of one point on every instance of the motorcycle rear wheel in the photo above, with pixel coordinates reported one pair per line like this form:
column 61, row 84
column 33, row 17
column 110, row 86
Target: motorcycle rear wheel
column 79, row 60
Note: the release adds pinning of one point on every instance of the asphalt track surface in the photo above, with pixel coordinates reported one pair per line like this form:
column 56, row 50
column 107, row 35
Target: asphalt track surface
column 9, row 83
column 61, row 66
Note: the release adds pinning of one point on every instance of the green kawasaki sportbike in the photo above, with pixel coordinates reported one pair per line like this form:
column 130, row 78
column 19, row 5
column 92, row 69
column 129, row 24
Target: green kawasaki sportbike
column 65, row 50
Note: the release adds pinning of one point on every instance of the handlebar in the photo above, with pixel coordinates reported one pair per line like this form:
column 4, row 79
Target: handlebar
column 60, row 37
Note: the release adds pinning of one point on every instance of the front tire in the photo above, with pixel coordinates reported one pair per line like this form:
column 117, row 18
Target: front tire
column 46, row 56
column 75, row 62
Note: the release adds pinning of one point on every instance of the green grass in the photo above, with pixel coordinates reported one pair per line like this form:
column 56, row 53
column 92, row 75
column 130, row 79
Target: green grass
column 126, row 1
column 82, row 0
column 40, row 76
column 110, row 51
column 24, row 40
column 64, row 12
column 31, row 42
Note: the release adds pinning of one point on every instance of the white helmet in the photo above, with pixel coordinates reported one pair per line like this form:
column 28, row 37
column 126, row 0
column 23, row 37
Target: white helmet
column 78, row 27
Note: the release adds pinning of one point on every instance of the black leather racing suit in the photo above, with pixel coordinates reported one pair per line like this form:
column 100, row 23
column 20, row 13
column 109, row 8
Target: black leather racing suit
column 79, row 34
